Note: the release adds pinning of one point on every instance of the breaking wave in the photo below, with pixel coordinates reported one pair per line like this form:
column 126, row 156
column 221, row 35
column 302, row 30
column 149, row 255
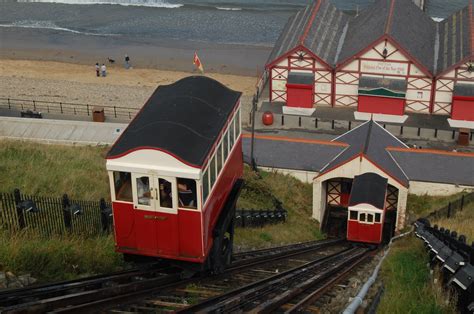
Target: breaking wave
column 145, row 3
column 49, row 25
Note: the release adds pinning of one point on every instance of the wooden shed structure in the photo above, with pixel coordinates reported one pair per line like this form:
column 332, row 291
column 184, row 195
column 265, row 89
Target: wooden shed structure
column 389, row 42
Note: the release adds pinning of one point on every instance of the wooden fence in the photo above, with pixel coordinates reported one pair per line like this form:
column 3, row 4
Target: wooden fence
column 452, row 207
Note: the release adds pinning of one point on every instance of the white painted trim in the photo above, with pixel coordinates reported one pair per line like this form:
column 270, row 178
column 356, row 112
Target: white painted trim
column 405, row 145
column 336, row 139
column 461, row 123
column 366, row 207
column 298, row 111
column 390, row 118
column 325, row 166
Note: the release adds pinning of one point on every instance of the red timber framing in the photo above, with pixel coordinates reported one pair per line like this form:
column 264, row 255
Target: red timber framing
column 391, row 201
column 445, row 85
column 338, row 191
column 416, row 83
column 299, row 59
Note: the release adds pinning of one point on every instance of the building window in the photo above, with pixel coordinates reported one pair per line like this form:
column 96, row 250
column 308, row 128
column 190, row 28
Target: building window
column 362, row 217
column 205, row 185
column 353, row 215
column 123, row 186
column 187, row 195
column 219, row 159
column 143, row 190
column 377, row 217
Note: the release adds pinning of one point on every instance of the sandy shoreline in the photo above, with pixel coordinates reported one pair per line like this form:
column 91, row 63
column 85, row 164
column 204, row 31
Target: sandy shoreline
column 145, row 53
column 57, row 81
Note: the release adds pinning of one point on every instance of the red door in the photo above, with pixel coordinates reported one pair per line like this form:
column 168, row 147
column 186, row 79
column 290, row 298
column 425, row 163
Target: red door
column 299, row 96
column 155, row 215
column 383, row 105
column 463, row 108
column 144, row 218
column 166, row 207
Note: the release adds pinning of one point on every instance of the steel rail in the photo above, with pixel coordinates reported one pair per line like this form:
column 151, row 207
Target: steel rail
column 316, row 294
column 8, row 297
column 105, row 303
column 235, row 300
column 47, row 305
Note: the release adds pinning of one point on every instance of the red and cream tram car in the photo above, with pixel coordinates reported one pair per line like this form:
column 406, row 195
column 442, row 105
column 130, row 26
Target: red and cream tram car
column 367, row 208
column 175, row 174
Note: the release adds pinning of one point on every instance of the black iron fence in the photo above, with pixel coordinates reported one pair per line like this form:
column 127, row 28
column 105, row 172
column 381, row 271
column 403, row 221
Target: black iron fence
column 452, row 207
column 34, row 107
column 49, row 215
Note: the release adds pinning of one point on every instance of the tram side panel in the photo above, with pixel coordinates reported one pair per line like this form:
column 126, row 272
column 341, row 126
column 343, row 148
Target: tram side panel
column 232, row 171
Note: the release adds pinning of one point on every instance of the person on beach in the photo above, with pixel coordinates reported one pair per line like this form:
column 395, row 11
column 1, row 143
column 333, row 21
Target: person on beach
column 103, row 69
column 127, row 62
column 97, row 69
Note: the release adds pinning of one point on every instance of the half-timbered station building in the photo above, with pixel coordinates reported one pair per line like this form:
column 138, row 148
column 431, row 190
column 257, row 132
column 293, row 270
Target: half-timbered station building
column 391, row 59
column 331, row 167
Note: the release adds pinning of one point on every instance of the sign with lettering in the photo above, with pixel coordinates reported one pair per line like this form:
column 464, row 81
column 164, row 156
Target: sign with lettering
column 381, row 67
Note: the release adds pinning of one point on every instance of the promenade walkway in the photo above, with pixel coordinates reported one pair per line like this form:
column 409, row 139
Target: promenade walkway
column 60, row 131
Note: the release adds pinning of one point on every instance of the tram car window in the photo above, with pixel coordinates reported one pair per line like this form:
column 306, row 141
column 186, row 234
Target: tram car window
column 226, row 145
column 187, row 193
column 123, row 186
column 175, row 174
column 367, row 208
column 219, row 158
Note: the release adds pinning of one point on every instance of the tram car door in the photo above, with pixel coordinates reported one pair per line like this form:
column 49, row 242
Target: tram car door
column 367, row 209
column 155, row 213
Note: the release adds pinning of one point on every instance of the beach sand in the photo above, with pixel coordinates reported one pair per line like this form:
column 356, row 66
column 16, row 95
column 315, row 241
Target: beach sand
column 76, row 83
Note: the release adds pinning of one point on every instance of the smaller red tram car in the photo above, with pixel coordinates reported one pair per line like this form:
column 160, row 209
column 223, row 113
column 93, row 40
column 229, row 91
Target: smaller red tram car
column 175, row 175
column 367, row 208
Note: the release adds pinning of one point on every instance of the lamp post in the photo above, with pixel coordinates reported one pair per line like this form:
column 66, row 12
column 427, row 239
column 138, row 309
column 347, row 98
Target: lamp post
column 254, row 109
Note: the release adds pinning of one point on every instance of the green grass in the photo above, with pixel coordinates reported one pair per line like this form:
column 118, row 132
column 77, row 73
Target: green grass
column 461, row 222
column 407, row 281
column 58, row 258
column 421, row 205
column 52, row 170
column 296, row 198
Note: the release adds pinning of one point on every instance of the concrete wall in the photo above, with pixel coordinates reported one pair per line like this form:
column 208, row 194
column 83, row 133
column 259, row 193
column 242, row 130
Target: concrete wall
column 436, row 189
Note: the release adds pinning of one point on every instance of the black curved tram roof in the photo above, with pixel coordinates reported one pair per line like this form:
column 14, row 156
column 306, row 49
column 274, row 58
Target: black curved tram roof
column 369, row 188
column 183, row 118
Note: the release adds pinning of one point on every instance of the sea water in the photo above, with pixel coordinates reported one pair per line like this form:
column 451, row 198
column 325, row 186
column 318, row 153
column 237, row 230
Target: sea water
column 247, row 22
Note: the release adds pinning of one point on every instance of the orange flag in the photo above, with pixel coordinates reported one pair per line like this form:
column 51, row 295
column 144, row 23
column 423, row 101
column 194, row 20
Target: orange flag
column 197, row 62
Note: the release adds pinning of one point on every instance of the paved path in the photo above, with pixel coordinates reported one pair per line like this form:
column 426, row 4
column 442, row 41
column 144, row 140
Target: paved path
column 60, row 131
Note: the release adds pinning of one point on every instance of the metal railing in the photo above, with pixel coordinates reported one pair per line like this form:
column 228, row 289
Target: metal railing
column 54, row 215
column 452, row 207
column 66, row 108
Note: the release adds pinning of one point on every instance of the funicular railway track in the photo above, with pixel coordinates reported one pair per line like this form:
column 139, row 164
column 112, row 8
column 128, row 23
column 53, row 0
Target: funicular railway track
column 185, row 296
column 105, row 291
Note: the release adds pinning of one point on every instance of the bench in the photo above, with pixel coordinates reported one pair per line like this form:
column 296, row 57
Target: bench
column 31, row 114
